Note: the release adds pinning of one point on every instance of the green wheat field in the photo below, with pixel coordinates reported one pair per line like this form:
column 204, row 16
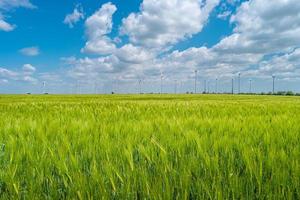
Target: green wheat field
column 149, row 147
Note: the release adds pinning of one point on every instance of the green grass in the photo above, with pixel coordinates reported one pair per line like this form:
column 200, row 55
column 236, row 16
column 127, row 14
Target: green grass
column 149, row 147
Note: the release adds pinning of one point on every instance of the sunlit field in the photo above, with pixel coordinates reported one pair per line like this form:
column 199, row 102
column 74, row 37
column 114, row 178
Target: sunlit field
column 149, row 147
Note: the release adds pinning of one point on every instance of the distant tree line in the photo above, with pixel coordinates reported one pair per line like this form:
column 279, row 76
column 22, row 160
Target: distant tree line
column 282, row 93
column 279, row 93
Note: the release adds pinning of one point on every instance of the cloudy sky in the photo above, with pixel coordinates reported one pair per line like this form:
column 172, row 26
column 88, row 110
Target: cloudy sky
column 87, row 46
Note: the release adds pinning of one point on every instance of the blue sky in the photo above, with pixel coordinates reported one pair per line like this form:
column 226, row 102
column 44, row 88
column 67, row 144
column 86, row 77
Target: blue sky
column 102, row 46
column 44, row 27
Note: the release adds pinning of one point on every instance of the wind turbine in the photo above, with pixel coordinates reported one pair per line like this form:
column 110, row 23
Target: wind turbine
column 239, row 82
column 196, row 73
column 208, row 87
column 140, row 86
column 250, row 86
column 181, row 87
column 216, row 85
column 175, row 86
column 161, row 82
column 232, row 86
column 273, row 77
column 44, row 87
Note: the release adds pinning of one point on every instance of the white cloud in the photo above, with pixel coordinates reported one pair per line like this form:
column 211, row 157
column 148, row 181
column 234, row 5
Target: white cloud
column 265, row 41
column 105, row 68
column 7, row 5
column 4, row 26
column 91, row 67
column 285, row 65
column 25, row 75
column 103, row 45
column 209, row 63
column 30, row 51
column 97, row 27
column 29, row 79
column 261, row 29
column 132, row 54
column 162, row 23
column 76, row 16
column 6, row 73
column 137, row 59
column 28, row 69
column 51, row 77
column 264, row 27
column 224, row 15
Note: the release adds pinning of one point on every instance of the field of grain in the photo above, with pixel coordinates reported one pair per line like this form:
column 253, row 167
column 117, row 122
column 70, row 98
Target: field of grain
column 149, row 147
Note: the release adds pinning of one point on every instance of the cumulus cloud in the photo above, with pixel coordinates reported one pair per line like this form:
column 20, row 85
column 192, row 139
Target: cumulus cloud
column 7, row 5
column 97, row 27
column 30, row 51
column 28, row 69
column 108, row 67
column 133, row 54
column 264, row 27
column 29, row 79
column 161, row 23
column 6, row 73
column 265, row 41
column 283, row 66
column 26, row 74
column 50, row 76
column 208, row 62
column 73, row 18
column 4, row 26
column 138, row 58
column 91, row 67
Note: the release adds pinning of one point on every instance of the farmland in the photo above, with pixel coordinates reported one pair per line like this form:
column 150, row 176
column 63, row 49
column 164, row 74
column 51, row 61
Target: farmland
column 149, row 147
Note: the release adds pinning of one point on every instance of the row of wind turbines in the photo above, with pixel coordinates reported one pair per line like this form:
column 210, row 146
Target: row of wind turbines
column 206, row 85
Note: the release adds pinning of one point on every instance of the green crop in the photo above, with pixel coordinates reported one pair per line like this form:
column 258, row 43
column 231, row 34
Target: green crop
column 149, row 147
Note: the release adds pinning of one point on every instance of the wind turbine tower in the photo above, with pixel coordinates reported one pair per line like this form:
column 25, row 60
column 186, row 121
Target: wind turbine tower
column 44, row 87
column 140, row 86
column 273, row 77
column 250, row 86
column 181, row 87
column 232, row 86
column 239, row 83
column 208, row 87
column 216, row 86
column 161, row 83
column 196, row 73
